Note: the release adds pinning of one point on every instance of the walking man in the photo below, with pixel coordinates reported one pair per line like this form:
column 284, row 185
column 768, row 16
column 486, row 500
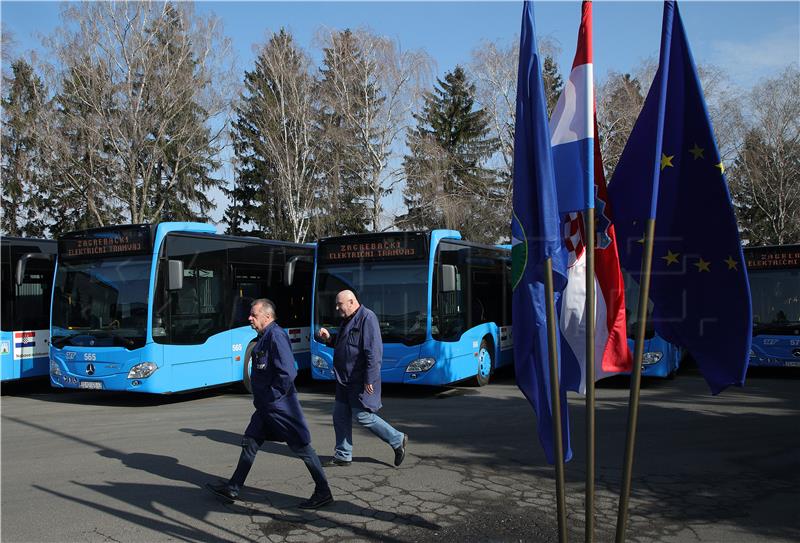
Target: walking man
column 278, row 415
column 357, row 355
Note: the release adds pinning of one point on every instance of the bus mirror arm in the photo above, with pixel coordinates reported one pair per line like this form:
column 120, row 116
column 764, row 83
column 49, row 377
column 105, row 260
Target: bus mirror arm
column 175, row 279
column 22, row 263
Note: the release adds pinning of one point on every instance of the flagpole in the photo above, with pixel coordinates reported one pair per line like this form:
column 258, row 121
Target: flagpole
column 647, row 260
column 636, row 380
column 590, row 374
column 556, row 399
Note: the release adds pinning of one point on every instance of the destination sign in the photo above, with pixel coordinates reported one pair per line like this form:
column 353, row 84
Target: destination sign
column 103, row 242
column 383, row 247
column 760, row 258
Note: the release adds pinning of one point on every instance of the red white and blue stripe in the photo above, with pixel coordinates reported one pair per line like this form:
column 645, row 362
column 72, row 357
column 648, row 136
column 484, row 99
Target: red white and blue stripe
column 581, row 185
column 572, row 125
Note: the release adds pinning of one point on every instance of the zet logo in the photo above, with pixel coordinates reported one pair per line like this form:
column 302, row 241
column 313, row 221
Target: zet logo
column 519, row 251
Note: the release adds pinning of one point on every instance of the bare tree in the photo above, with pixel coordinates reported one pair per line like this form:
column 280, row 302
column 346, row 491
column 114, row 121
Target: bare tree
column 372, row 85
column 494, row 70
column 765, row 178
column 142, row 99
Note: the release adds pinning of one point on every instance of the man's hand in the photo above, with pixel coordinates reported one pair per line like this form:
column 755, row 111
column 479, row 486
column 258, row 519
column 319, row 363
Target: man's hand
column 369, row 389
column 323, row 334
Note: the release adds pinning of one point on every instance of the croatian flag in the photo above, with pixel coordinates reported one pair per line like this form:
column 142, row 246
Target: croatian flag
column 581, row 184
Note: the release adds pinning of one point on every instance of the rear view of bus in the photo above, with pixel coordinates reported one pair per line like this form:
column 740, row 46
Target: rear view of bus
column 775, row 290
column 443, row 304
column 165, row 309
column 27, row 280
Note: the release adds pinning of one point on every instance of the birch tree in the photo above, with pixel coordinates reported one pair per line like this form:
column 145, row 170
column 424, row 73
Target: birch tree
column 369, row 89
column 276, row 140
column 765, row 178
column 142, row 94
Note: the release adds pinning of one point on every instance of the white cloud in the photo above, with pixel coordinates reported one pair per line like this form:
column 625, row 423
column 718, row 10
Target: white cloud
column 748, row 62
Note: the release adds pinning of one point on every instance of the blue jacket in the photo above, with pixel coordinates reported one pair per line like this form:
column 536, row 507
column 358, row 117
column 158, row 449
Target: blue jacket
column 357, row 356
column 279, row 416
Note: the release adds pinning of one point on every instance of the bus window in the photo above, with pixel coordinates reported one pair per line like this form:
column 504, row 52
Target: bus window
column 195, row 312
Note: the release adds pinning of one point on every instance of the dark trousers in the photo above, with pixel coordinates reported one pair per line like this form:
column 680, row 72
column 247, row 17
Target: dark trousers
column 250, row 447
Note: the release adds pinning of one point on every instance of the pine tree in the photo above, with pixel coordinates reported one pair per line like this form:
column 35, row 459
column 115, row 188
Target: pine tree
column 187, row 153
column 553, row 84
column 447, row 182
column 22, row 160
column 346, row 105
column 276, row 139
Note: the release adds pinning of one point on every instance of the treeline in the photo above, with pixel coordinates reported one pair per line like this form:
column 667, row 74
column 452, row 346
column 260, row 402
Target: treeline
column 138, row 110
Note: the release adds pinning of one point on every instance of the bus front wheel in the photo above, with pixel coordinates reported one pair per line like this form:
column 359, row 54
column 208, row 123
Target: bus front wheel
column 247, row 368
column 484, row 364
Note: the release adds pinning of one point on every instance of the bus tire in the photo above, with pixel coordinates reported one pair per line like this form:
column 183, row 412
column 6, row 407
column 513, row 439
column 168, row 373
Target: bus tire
column 485, row 363
column 247, row 367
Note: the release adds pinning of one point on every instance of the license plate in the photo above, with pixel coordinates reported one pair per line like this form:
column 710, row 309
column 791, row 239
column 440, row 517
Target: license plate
column 94, row 385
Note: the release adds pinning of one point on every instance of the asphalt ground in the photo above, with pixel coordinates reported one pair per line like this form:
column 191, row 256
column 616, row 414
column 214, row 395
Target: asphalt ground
column 102, row 467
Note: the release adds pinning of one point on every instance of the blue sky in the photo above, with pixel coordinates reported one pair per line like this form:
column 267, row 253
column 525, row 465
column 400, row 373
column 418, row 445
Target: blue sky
column 748, row 40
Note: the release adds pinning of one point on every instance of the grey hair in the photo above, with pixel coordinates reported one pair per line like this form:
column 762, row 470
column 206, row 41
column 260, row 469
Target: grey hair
column 267, row 305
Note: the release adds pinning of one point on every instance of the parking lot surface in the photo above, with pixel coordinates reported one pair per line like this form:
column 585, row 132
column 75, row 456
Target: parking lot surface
column 94, row 467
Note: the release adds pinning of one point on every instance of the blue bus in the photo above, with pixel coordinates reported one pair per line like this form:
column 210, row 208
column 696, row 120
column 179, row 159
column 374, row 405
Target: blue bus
column 27, row 279
column 775, row 291
column 165, row 308
column 443, row 304
column 660, row 357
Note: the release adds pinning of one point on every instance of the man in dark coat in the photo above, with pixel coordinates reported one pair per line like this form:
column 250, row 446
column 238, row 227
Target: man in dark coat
column 357, row 355
column 278, row 415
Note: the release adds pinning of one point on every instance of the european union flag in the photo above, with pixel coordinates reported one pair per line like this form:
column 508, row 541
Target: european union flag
column 699, row 287
column 536, row 236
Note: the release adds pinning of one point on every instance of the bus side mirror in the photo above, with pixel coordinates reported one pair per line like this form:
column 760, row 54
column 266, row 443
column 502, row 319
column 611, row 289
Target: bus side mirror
column 448, row 278
column 288, row 271
column 175, row 279
column 22, row 264
column 290, row 267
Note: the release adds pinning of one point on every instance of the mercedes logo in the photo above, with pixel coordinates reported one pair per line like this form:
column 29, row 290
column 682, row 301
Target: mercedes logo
column 89, row 369
column 796, row 353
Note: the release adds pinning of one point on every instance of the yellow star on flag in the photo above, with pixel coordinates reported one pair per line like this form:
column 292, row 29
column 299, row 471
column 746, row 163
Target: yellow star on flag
column 671, row 258
column 721, row 167
column 697, row 152
column 702, row 265
column 732, row 264
column 666, row 160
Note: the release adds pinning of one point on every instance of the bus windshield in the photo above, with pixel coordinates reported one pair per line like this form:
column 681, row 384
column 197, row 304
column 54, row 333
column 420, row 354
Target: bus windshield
column 395, row 291
column 101, row 302
column 776, row 300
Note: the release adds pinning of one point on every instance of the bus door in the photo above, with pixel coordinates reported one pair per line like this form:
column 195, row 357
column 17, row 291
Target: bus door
column 190, row 311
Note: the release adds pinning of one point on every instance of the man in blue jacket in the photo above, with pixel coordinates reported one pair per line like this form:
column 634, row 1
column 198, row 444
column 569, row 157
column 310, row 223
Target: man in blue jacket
column 357, row 355
column 278, row 415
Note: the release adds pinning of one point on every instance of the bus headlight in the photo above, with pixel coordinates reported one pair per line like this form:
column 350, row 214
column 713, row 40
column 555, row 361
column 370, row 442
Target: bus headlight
column 54, row 369
column 319, row 362
column 140, row 371
column 752, row 353
column 648, row 359
column 420, row 364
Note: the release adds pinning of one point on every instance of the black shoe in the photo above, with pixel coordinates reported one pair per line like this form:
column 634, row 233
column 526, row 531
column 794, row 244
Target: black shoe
column 400, row 452
column 223, row 492
column 333, row 462
column 316, row 500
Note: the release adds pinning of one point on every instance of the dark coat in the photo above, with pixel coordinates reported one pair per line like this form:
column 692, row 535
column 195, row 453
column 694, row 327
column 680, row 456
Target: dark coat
column 278, row 415
column 357, row 356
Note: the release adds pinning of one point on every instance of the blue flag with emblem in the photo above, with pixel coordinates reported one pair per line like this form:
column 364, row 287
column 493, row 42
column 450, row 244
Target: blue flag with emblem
column 699, row 287
column 536, row 236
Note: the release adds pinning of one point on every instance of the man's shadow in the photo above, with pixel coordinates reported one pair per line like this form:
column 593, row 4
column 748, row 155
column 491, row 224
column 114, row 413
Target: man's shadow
column 270, row 447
